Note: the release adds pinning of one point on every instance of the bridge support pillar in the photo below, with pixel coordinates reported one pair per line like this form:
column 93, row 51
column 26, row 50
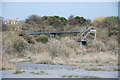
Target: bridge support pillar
column 95, row 37
column 81, row 44
column 50, row 37
column 54, row 35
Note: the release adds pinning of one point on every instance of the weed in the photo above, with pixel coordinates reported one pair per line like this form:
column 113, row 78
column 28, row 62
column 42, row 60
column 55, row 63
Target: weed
column 40, row 73
column 3, row 68
column 102, row 69
column 71, row 76
column 91, row 77
column 18, row 72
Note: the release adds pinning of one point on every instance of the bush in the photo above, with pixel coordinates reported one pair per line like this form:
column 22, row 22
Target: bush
column 29, row 39
column 4, row 26
column 76, row 20
column 42, row 38
column 19, row 46
column 58, row 49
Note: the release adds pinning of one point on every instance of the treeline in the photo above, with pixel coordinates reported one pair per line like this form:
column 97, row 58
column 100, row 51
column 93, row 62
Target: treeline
column 56, row 21
column 61, row 22
column 46, row 22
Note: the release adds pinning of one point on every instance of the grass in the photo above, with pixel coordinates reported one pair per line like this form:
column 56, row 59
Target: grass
column 65, row 51
column 71, row 76
column 3, row 68
column 18, row 72
column 90, row 77
column 40, row 73
column 56, row 49
column 4, row 62
column 45, row 62
column 102, row 69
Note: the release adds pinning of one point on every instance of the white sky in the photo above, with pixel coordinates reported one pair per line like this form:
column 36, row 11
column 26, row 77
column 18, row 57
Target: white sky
column 53, row 1
column 60, row 0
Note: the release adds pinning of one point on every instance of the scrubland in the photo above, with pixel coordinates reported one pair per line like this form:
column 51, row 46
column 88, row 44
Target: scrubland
column 62, row 50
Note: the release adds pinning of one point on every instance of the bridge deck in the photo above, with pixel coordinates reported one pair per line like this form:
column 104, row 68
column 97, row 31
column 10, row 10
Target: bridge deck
column 61, row 32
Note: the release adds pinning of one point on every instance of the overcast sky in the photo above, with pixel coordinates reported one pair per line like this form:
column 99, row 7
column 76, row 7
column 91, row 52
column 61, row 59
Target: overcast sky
column 60, row 0
column 88, row 10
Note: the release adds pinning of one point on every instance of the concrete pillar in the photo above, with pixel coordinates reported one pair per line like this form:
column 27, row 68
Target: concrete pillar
column 54, row 35
column 50, row 37
column 80, row 44
column 95, row 37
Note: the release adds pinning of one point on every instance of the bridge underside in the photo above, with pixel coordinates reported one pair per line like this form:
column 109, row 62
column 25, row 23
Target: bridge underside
column 62, row 32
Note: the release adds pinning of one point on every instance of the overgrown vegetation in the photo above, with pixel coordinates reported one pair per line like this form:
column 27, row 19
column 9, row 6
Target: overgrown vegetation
column 29, row 39
column 111, row 23
column 63, row 49
column 55, row 21
column 19, row 46
column 42, row 38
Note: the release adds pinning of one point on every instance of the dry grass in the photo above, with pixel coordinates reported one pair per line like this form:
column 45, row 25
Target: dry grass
column 101, row 58
column 99, row 19
column 5, row 64
column 64, row 51
column 55, row 51
column 9, row 40
column 4, row 58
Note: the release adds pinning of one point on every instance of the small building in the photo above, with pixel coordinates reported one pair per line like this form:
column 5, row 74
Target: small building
column 12, row 20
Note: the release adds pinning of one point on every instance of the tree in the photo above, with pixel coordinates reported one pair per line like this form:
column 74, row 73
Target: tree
column 34, row 19
column 79, row 20
column 76, row 20
column 71, row 20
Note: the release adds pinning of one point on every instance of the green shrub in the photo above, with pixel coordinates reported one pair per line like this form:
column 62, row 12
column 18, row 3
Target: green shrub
column 19, row 46
column 29, row 39
column 42, row 38
column 3, row 68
